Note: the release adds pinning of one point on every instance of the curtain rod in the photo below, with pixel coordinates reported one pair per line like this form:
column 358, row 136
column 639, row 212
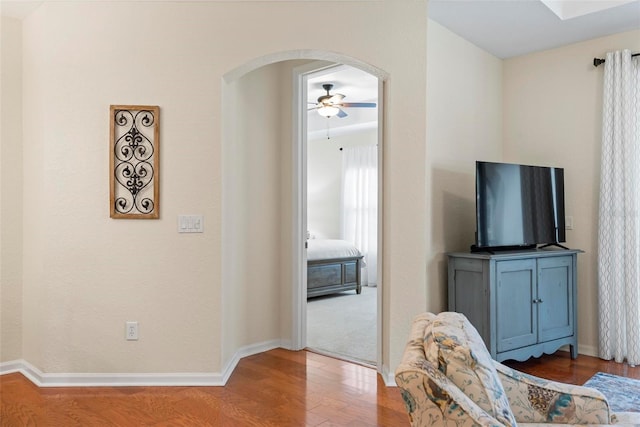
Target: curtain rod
column 598, row 61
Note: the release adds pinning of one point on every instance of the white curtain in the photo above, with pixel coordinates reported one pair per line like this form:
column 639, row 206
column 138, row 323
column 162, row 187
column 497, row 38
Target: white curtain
column 360, row 204
column 619, row 222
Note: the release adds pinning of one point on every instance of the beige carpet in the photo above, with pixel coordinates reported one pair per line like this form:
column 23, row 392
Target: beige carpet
column 344, row 324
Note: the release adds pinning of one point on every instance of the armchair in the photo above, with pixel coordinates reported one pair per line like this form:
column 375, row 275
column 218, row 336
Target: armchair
column 447, row 378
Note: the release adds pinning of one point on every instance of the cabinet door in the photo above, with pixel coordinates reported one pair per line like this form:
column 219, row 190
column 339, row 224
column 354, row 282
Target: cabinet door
column 555, row 298
column 516, row 323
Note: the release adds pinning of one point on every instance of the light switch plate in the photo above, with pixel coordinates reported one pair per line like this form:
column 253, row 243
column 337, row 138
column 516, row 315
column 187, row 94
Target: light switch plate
column 190, row 224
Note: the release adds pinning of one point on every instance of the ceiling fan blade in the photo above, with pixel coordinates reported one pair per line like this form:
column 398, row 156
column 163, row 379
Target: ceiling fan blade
column 359, row 104
column 342, row 114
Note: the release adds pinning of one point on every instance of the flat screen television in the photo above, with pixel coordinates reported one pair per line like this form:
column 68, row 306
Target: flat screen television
column 518, row 206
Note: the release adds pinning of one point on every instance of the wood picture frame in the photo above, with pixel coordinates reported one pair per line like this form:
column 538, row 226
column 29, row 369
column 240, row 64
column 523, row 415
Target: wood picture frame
column 134, row 162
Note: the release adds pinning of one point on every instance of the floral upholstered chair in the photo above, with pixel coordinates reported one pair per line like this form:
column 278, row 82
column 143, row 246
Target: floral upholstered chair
column 447, row 378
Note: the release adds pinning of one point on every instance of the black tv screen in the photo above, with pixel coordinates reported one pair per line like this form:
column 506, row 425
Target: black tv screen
column 518, row 205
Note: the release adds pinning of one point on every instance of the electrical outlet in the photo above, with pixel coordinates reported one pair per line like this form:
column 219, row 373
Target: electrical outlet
column 131, row 332
column 568, row 222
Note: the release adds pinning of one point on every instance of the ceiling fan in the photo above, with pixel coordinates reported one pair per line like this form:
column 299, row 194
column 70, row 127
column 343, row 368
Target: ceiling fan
column 331, row 105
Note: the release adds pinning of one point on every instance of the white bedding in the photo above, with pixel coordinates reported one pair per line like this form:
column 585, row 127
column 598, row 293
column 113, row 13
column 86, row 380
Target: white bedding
column 330, row 249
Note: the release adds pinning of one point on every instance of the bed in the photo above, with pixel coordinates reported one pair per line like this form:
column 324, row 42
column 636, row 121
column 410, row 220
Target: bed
column 332, row 266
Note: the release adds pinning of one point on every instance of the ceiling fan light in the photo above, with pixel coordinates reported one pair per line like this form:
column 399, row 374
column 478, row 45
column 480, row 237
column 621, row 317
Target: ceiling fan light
column 328, row 110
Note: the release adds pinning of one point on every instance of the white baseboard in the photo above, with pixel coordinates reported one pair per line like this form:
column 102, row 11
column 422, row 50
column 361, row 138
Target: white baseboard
column 42, row 379
column 248, row 350
column 388, row 377
column 11, row 366
column 588, row 350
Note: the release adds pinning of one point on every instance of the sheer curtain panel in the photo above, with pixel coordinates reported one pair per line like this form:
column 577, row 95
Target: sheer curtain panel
column 360, row 204
column 619, row 223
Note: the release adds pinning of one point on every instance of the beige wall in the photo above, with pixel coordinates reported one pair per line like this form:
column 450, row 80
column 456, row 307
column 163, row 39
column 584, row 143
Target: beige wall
column 552, row 116
column 85, row 274
column 464, row 124
column 255, row 207
column 10, row 189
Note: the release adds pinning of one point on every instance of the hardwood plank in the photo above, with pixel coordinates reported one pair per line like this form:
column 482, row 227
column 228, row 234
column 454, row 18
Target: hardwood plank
column 275, row 388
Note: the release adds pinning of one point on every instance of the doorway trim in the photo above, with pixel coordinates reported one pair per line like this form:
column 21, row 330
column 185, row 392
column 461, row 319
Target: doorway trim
column 299, row 193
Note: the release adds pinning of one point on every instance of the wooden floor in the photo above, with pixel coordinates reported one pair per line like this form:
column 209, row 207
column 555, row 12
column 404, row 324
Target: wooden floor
column 275, row 388
column 560, row 367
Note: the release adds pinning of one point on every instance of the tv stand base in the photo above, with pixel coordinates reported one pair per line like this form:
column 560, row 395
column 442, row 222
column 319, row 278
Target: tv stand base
column 494, row 249
column 554, row 244
column 523, row 303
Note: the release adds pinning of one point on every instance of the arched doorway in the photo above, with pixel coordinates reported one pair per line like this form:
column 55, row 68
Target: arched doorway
column 242, row 235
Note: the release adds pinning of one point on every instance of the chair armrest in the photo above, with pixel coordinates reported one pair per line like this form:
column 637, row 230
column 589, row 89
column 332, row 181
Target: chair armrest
column 536, row 400
column 432, row 399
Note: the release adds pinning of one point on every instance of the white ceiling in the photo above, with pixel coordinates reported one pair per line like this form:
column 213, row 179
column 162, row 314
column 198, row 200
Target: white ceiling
column 508, row 28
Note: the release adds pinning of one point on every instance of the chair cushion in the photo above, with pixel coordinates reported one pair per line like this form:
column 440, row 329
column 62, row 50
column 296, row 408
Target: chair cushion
column 454, row 345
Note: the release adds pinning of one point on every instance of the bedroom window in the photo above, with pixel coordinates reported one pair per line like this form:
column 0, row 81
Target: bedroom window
column 360, row 203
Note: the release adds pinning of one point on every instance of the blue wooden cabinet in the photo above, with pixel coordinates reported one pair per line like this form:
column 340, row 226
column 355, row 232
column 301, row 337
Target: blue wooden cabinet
column 523, row 303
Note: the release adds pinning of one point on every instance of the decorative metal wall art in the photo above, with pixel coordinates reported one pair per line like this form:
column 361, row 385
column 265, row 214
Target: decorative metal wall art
column 134, row 163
